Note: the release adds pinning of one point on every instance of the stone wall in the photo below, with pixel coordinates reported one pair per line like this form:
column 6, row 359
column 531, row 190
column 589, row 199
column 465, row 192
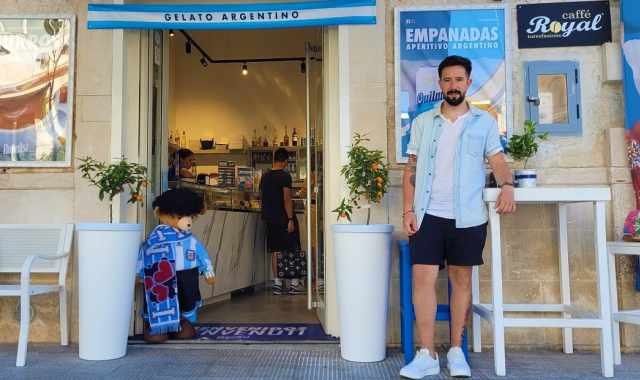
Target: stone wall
column 31, row 195
column 530, row 237
column 530, row 254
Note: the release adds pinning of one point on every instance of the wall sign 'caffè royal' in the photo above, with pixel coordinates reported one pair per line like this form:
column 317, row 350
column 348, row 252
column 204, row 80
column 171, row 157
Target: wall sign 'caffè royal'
column 579, row 23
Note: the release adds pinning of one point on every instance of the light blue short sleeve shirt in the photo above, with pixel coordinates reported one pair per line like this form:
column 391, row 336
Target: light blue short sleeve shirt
column 478, row 140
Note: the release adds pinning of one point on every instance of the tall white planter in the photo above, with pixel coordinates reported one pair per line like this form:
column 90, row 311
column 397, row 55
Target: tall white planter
column 107, row 255
column 363, row 266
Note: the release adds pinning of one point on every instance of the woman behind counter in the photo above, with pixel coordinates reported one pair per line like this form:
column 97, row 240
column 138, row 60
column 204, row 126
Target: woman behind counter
column 186, row 161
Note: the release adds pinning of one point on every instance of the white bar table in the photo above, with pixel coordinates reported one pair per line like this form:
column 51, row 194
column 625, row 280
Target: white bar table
column 569, row 318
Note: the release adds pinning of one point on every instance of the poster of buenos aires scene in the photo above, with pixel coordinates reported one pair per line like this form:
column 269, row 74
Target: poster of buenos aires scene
column 36, row 91
column 423, row 38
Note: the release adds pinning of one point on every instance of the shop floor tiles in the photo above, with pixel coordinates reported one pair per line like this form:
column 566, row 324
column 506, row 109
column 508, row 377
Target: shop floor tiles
column 259, row 307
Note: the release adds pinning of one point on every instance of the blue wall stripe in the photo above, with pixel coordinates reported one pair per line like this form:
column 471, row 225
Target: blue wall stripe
column 161, row 8
column 231, row 25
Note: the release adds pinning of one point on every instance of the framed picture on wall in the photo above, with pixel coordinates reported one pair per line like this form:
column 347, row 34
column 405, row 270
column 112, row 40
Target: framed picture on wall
column 424, row 37
column 36, row 90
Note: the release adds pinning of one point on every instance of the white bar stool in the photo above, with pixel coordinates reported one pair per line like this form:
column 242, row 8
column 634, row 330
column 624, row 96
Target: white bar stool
column 628, row 316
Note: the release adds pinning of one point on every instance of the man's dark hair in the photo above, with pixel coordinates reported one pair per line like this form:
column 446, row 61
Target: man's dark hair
column 179, row 202
column 455, row 60
column 184, row 153
column 281, row 155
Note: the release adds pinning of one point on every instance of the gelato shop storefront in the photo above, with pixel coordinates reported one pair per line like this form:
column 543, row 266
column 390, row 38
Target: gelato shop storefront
column 221, row 89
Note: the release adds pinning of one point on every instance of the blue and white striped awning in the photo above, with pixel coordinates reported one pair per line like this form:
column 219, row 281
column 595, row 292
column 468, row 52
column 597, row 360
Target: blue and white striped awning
column 231, row 16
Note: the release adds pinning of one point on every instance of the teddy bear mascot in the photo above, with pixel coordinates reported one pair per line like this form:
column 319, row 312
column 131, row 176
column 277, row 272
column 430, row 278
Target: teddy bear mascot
column 169, row 263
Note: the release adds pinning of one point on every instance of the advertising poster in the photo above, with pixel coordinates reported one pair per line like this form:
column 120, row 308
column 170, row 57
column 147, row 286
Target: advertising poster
column 36, row 91
column 424, row 38
column 631, row 67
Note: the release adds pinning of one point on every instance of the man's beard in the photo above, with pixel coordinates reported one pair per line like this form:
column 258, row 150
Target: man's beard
column 454, row 101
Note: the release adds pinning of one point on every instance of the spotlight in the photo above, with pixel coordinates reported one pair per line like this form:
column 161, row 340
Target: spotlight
column 245, row 70
column 203, row 62
column 187, row 47
column 171, row 33
column 303, row 67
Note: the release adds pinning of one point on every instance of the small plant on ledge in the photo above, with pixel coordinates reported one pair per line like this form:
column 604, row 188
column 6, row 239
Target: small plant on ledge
column 113, row 179
column 367, row 178
column 523, row 147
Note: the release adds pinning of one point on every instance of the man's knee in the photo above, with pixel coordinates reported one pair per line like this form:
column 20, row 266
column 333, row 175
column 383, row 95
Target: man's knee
column 460, row 277
column 425, row 276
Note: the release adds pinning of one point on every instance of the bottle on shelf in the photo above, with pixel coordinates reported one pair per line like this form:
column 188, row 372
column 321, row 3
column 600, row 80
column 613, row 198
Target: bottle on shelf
column 294, row 138
column 286, row 136
column 254, row 138
column 265, row 138
column 183, row 139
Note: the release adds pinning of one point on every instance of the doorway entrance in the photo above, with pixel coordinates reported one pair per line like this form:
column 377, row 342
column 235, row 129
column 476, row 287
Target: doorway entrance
column 232, row 98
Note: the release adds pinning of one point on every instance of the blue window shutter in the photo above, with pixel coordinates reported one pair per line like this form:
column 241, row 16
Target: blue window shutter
column 570, row 70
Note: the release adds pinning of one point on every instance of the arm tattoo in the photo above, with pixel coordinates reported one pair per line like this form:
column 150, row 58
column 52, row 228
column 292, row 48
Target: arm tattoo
column 411, row 169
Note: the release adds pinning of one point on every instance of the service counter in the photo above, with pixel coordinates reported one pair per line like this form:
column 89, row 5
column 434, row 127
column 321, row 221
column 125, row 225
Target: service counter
column 234, row 234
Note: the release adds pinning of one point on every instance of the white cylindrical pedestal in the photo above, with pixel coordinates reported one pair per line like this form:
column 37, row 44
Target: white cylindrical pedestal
column 107, row 256
column 363, row 266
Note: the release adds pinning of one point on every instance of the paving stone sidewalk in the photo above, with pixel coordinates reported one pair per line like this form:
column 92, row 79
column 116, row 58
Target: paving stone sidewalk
column 218, row 361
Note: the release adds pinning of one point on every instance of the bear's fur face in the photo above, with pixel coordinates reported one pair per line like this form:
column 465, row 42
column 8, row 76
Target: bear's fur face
column 182, row 223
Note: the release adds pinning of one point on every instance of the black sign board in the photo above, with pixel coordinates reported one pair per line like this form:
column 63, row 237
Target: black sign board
column 580, row 23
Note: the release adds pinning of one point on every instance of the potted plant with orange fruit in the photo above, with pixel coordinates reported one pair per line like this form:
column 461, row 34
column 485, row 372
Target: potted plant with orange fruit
column 363, row 257
column 107, row 258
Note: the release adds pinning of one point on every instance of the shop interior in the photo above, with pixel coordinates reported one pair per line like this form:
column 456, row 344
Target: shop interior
column 234, row 97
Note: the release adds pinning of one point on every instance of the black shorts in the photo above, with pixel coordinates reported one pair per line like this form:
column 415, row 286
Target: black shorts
column 439, row 242
column 279, row 239
column 188, row 289
column 188, row 282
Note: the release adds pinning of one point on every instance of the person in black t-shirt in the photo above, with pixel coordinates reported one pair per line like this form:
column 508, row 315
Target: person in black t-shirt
column 277, row 212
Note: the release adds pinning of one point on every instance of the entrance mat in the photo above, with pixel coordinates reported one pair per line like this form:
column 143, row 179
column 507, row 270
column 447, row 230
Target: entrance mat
column 253, row 333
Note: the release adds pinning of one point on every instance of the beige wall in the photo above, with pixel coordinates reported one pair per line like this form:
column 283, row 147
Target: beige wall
column 219, row 101
column 59, row 195
column 530, row 237
column 530, row 254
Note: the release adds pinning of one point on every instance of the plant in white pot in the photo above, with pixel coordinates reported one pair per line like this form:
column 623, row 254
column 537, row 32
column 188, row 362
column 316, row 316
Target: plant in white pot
column 363, row 258
column 107, row 257
column 521, row 148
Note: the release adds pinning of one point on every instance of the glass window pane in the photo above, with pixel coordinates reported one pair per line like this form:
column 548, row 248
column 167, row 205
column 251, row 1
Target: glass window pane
column 552, row 91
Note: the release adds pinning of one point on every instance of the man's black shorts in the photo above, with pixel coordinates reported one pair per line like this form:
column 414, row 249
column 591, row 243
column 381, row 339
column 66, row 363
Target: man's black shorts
column 280, row 240
column 439, row 242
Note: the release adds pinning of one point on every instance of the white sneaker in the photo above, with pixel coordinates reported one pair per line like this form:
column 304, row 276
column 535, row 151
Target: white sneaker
column 457, row 364
column 422, row 365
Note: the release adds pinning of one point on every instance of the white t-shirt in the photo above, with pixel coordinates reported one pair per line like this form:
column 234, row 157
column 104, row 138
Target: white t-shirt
column 441, row 201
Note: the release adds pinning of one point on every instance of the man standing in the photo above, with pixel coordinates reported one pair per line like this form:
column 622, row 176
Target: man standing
column 277, row 212
column 444, row 213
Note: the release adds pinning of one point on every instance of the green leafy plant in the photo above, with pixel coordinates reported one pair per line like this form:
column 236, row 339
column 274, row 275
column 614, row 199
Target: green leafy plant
column 113, row 179
column 367, row 178
column 523, row 147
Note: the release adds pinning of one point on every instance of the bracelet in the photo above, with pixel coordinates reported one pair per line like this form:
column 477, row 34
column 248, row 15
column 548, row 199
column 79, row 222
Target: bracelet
column 407, row 212
column 506, row 184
